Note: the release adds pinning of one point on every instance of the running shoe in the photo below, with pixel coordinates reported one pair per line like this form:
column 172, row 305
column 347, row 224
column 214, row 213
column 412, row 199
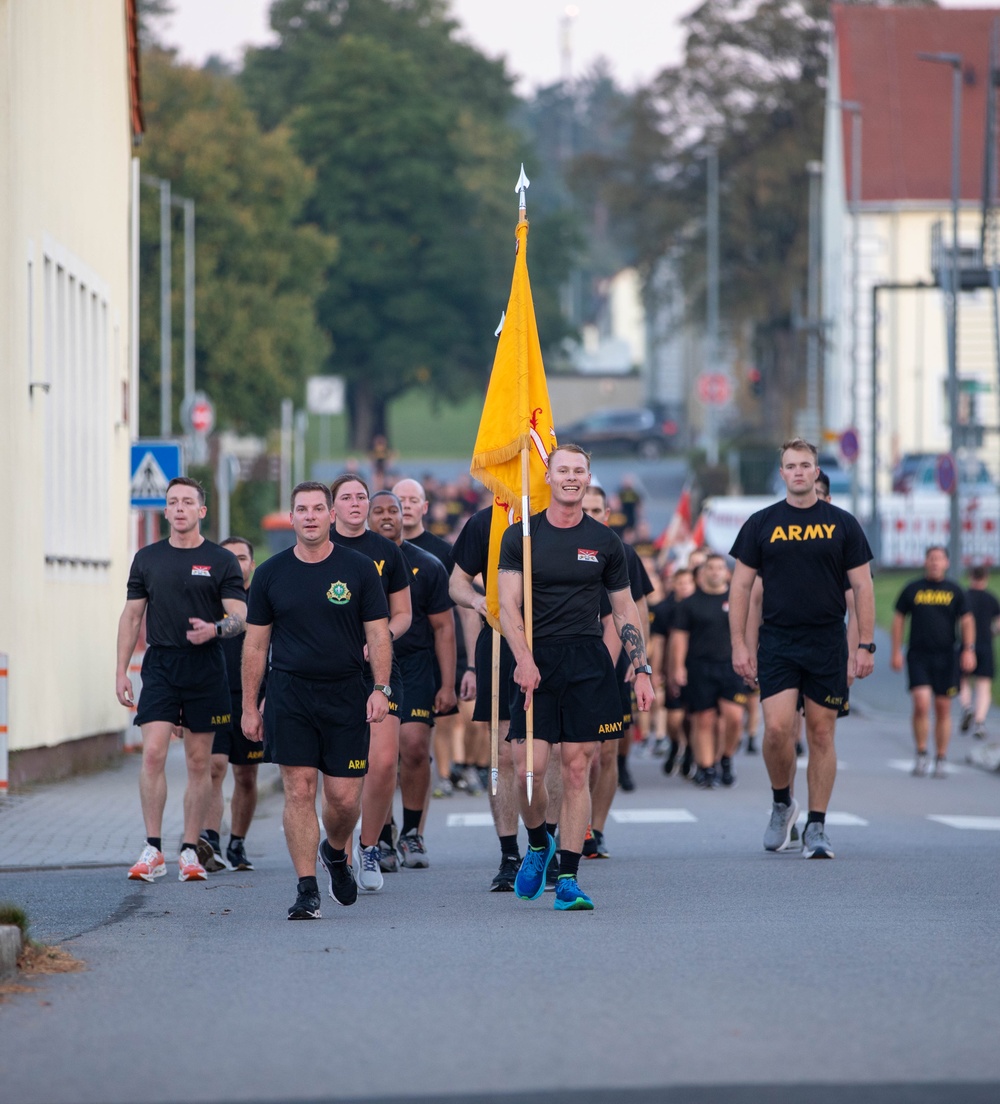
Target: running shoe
column 659, row 747
column 625, row 777
column 190, row 870
column 504, row 880
column 473, row 784
column 342, row 887
column 570, row 897
column 552, row 870
column 779, row 830
column 728, row 778
column 150, row 866
column 367, row 872
column 210, row 856
column 589, row 844
column 236, row 856
column 940, row 769
column 443, row 787
column 705, row 778
column 602, row 847
column 687, row 762
column 815, row 844
column 458, row 779
column 529, row 884
column 980, row 733
column 388, row 861
column 306, row 906
column 484, row 778
column 412, row 852
column 966, row 720
column 921, row 765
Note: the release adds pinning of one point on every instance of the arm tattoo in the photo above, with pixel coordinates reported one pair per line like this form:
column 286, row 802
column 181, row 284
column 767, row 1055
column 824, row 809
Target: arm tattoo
column 230, row 625
column 633, row 645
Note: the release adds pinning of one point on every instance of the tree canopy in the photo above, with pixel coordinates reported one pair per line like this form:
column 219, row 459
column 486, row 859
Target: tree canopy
column 259, row 269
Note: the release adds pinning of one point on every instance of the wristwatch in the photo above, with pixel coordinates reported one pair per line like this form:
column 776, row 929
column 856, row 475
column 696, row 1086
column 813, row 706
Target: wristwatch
column 387, row 690
column 645, row 669
column 867, row 648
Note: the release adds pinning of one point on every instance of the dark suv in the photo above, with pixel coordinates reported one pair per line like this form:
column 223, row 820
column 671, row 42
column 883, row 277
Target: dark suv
column 614, row 432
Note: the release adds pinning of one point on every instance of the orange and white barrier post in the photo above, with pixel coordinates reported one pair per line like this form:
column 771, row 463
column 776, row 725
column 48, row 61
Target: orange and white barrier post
column 133, row 735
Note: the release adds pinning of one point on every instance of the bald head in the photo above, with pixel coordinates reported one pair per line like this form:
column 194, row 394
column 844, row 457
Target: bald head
column 414, row 504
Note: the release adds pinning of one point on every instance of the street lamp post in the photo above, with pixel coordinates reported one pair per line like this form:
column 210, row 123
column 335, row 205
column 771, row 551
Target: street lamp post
column 813, row 420
column 954, row 524
column 854, row 108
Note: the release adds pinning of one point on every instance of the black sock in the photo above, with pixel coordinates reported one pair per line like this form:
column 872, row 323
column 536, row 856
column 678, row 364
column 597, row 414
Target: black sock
column 816, row 818
column 212, row 837
column 621, row 762
column 185, row 846
column 155, row 841
column 783, row 797
column 333, row 854
column 308, row 884
column 508, row 845
column 569, row 864
column 411, row 820
column 551, row 829
column 386, row 836
column 725, row 761
column 538, row 838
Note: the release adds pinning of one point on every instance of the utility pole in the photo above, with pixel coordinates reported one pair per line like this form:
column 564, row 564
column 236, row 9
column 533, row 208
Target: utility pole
column 953, row 285
column 813, row 420
column 712, row 301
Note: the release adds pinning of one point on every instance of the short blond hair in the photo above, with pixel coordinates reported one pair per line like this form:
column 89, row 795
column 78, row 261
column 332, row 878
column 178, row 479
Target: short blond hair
column 798, row 444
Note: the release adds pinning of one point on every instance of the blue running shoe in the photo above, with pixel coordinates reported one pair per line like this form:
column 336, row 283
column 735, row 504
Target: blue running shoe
column 529, row 884
column 569, row 896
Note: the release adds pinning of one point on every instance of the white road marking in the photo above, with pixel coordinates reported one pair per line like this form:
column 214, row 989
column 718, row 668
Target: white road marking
column 470, row 820
column 976, row 823
column 652, row 816
column 906, row 765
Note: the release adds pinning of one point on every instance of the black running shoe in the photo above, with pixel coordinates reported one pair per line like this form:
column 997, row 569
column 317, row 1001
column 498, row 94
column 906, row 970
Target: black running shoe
column 504, row 880
column 751, row 748
column 589, row 844
column 728, row 778
column 687, row 762
column 236, row 855
column 671, row 760
column 343, row 887
column 552, row 872
column 625, row 778
column 306, row 906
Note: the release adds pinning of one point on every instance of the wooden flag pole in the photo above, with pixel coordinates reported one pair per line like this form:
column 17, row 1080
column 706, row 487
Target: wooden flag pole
column 495, row 715
column 526, row 566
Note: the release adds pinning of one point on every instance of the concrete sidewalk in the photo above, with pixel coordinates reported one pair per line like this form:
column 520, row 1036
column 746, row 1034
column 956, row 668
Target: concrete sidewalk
column 95, row 819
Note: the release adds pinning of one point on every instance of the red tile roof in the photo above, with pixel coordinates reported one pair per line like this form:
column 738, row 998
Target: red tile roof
column 134, row 88
column 906, row 103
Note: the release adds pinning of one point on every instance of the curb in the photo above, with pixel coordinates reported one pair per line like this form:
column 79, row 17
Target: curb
column 10, row 948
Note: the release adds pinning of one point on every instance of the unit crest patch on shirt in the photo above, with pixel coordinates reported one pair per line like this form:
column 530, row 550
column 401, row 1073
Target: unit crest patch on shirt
column 586, row 555
column 339, row 594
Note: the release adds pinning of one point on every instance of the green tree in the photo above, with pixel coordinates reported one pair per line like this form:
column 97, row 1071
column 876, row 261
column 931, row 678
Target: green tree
column 258, row 270
column 415, row 160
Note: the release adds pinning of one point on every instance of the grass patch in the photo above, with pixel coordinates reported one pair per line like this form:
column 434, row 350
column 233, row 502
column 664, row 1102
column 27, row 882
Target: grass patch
column 14, row 916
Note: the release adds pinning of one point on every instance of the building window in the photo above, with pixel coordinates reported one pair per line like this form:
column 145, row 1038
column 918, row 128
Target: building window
column 78, row 432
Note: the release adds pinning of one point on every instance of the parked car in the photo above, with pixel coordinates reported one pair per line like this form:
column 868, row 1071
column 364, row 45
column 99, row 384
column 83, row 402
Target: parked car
column 637, row 431
column 903, row 472
column 973, row 476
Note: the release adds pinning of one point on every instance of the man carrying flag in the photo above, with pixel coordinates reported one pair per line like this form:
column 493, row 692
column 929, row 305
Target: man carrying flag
column 565, row 672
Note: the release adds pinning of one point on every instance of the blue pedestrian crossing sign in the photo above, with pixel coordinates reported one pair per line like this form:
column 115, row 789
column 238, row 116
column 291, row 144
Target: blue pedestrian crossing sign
column 154, row 464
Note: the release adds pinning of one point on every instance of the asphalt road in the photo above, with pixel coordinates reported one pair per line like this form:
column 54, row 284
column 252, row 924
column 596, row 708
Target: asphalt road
column 709, row 969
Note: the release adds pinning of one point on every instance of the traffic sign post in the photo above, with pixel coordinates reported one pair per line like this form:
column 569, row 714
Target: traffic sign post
column 849, row 445
column 947, row 475
column 153, row 465
column 714, row 388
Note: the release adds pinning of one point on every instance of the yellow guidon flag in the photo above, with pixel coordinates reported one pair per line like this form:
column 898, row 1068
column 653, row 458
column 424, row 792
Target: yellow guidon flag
column 517, row 416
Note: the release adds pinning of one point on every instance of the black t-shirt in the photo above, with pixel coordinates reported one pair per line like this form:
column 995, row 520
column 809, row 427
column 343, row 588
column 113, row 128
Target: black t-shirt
column 317, row 611
column 984, row 608
column 179, row 583
column 471, row 550
column 802, row 556
column 444, row 551
column 935, row 610
column 384, row 554
column 569, row 569
column 428, row 594
column 705, row 618
column 661, row 616
column 640, row 583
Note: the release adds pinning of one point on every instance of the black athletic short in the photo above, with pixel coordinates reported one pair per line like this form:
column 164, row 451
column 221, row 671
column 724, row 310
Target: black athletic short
column 231, row 742
column 577, row 700
column 396, row 685
column 680, row 702
column 317, row 723
column 813, row 660
column 626, row 690
column 938, row 670
column 419, row 677
column 710, row 683
column 484, row 677
column 843, row 711
column 186, row 687
column 985, row 665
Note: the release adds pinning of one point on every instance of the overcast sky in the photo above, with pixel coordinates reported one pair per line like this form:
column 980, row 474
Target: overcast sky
column 638, row 37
